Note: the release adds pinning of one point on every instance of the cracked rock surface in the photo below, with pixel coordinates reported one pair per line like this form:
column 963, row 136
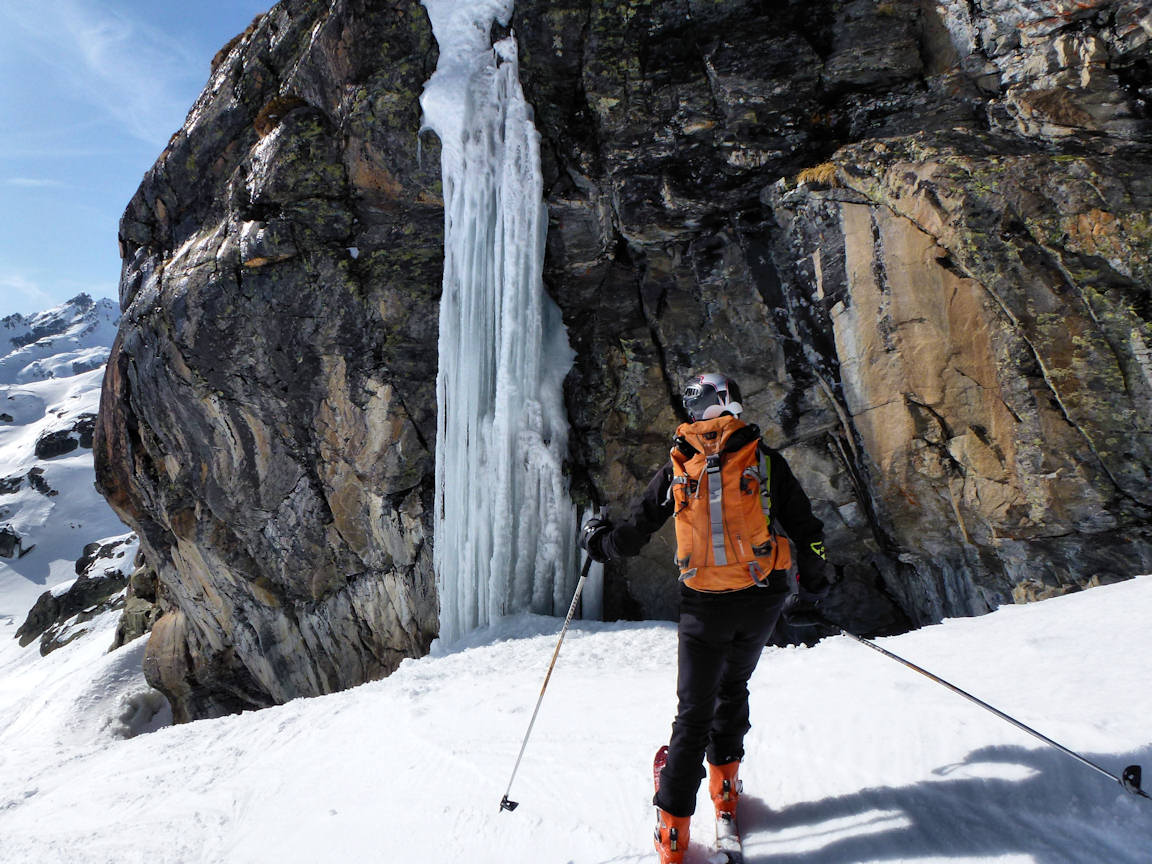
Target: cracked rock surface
column 917, row 233
column 269, row 403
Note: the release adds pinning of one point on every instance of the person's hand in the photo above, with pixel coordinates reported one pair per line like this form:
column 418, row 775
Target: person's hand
column 802, row 609
column 593, row 537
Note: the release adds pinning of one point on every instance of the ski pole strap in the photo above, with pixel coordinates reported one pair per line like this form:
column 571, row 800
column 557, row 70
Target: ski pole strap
column 1131, row 779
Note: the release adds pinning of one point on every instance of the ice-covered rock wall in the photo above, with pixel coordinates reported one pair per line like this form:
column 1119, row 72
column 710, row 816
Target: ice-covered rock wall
column 504, row 521
column 916, row 233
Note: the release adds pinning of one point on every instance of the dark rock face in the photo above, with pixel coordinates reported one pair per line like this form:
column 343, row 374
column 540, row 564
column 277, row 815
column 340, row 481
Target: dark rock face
column 64, row 441
column 58, row 617
column 55, row 444
column 988, row 356
column 10, row 543
column 36, row 481
column 141, row 607
column 35, row 477
column 268, row 408
column 916, row 233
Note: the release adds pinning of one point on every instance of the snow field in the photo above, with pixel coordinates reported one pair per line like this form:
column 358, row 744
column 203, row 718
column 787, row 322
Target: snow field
column 42, row 393
column 59, row 526
column 852, row 757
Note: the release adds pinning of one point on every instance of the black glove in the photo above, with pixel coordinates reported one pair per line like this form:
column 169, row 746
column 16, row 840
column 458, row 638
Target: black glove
column 594, row 537
column 802, row 609
column 816, row 575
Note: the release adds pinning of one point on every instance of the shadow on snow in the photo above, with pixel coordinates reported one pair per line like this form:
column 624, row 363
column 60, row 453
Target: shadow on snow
column 1009, row 801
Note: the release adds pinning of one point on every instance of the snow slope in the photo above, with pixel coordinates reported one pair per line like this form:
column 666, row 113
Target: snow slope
column 42, row 392
column 852, row 757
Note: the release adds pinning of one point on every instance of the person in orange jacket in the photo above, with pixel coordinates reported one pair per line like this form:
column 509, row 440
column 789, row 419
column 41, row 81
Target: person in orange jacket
column 747, row 547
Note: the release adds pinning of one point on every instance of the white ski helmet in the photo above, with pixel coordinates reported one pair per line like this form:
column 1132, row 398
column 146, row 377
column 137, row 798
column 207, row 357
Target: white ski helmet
column 710, row 395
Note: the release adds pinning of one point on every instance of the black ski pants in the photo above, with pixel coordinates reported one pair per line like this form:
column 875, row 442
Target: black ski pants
column 720, row 640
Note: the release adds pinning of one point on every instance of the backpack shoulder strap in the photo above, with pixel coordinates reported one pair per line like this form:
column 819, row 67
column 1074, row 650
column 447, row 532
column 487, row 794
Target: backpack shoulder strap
column 765, row 481
column 680, row 453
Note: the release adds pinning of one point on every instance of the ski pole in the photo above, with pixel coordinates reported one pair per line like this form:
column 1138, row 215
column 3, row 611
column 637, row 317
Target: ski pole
column 506, row 804
column 1130, row 779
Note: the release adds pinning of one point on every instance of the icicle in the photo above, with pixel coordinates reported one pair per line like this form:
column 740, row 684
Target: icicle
column 504, row 522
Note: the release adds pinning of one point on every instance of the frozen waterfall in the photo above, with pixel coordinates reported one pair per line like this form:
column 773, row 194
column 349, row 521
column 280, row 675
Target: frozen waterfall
column 505, row 525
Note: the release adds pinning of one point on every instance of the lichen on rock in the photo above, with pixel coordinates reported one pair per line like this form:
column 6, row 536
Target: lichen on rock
column 268, row 409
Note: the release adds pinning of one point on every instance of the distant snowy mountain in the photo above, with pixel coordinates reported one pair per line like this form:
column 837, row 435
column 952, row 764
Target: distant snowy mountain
column 67, row 340
column 51, row 367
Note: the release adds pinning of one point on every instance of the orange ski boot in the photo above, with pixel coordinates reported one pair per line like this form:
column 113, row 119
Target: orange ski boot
column 671, row 836
column 724, row 787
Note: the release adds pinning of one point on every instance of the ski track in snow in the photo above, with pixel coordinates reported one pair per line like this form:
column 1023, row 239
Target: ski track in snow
column 852, row 757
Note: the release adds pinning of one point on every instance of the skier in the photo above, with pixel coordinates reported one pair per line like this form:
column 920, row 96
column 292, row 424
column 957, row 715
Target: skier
column 736, row 504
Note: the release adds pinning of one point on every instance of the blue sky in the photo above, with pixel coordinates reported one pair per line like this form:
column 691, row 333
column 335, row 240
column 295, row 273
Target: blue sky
column 90, row 92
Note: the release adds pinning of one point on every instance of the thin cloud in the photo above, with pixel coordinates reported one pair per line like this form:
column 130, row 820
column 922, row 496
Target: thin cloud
column 13, row 152
column 23, row 293
column 129, row 70
column 34, row 183
column 19, row 291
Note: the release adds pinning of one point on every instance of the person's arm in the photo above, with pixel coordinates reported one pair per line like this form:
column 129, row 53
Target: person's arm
column 604, row 540
column 790, row 505
column 650, row 511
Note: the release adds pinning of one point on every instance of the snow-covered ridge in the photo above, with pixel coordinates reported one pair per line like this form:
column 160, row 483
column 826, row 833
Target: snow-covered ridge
column 65, row 340
column 851, row 758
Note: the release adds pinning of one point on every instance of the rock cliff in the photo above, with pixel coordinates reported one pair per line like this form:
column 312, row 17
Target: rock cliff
column 269, row 404
column 916, row 232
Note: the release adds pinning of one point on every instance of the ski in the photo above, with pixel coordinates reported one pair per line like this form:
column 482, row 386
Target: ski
column 658, row 765
column 728, row 838
column 677, row 844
